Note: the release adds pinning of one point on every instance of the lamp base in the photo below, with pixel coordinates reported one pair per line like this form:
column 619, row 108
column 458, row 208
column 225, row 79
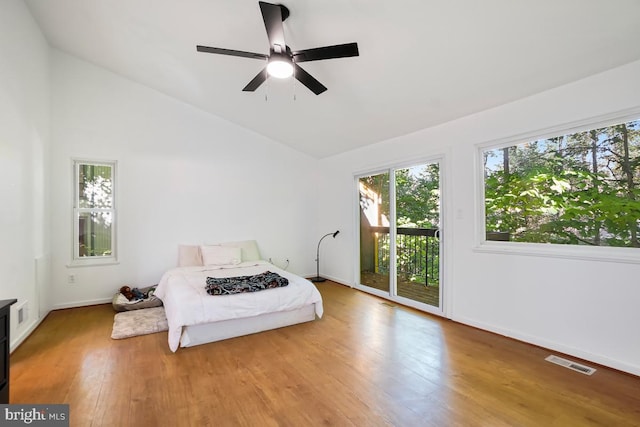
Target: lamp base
column 318, row 279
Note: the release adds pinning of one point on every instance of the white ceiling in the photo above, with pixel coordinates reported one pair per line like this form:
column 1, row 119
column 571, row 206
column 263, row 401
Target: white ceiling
column 421, row 63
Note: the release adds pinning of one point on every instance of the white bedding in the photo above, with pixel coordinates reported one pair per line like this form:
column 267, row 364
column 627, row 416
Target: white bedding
column 186, row 302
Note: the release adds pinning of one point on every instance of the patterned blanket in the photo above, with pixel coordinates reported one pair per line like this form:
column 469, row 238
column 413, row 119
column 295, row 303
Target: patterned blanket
column 236, row 285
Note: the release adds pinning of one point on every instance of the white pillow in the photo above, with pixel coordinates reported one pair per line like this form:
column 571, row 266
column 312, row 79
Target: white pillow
column 221, row 255
column 189, row 255
column 249, row 249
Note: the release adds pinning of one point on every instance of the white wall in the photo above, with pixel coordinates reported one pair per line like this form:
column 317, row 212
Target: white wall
column 184, row 176
column 585, row 308
column 24, row 157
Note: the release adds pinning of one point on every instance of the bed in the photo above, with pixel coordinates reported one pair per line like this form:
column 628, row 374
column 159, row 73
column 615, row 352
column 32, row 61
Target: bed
column 195, row 317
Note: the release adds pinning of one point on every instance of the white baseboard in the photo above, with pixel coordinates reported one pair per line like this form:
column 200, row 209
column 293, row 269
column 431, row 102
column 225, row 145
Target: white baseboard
column 81, row 303
column 334, row 279
column 553, row 346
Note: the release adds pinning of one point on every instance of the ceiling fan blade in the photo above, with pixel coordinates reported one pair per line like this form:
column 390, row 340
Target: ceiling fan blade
column 257, row 81
column 231, row 52
column 272, row 17
column 308, row 80
column 327, row 52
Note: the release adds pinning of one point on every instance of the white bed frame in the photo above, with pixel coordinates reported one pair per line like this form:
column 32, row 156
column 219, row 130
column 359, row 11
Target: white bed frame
column 216, row 331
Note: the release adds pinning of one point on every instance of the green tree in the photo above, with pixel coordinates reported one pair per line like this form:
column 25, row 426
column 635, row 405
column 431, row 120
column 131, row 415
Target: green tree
column 582, row 188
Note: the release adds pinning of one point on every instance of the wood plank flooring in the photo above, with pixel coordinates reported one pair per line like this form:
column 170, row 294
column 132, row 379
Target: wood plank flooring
column 365, row 363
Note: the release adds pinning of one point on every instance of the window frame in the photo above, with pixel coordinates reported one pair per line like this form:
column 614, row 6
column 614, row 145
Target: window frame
column 599, row 253
column 76, row 260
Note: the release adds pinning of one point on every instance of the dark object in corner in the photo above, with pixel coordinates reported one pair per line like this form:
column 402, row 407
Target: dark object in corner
column 5, row 328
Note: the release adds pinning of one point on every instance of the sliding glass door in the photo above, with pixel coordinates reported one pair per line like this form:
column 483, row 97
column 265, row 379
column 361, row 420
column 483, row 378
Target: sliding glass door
column 417, row 213
column 374, row 231
column 400, row 250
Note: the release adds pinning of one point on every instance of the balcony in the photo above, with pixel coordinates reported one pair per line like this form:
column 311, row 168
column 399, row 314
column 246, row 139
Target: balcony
column 417, row 257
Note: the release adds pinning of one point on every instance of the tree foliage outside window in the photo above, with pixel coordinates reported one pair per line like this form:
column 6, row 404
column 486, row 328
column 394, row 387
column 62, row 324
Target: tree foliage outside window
column 578, row 189
column 417, row 195
column 94, row 211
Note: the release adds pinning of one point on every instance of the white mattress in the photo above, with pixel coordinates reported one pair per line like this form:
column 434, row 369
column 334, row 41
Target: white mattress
column 187, row 303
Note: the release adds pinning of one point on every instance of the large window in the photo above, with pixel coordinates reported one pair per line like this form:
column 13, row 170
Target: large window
column 581, row 188
column 94, row 211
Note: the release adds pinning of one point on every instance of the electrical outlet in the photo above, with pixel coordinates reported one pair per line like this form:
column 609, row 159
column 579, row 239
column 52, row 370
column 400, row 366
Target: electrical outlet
column 71, row 279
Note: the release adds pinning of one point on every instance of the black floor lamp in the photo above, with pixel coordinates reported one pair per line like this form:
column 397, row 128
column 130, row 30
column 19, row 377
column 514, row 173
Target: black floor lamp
column 318, row 278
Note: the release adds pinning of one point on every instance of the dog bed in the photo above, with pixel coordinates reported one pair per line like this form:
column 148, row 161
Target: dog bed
column 121, row 303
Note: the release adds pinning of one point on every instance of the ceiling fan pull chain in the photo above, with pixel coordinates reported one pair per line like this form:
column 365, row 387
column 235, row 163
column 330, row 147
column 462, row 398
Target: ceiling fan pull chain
column 293, row 83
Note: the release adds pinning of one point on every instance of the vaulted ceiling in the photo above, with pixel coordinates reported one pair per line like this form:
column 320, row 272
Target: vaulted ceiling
column 421, row 63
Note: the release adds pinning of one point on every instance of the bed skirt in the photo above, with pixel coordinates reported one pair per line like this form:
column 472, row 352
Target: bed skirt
column 211, row 332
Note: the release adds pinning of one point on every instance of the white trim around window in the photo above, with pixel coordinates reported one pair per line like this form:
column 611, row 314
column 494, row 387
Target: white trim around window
column 601, row 253
column 96, row 206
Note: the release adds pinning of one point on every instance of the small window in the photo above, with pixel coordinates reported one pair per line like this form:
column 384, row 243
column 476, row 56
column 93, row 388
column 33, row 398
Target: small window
column 575, row 189
column 94, row 212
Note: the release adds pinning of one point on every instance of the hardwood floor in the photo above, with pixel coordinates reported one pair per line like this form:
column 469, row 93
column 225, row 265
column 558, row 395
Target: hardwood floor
column 365, row 363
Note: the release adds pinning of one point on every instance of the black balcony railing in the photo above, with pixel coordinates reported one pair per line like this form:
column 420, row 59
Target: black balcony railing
column 417, row 253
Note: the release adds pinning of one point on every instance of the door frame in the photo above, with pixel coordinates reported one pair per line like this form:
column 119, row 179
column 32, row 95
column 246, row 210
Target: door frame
column 445, row 293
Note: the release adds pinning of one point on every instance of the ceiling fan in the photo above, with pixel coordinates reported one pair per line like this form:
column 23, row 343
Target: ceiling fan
column 282, row 62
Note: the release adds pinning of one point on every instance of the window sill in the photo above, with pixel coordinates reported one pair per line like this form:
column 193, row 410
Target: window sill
column 93, row 262
column 603, row 254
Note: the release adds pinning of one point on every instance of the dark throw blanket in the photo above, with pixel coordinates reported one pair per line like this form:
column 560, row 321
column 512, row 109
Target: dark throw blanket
column 236, row 285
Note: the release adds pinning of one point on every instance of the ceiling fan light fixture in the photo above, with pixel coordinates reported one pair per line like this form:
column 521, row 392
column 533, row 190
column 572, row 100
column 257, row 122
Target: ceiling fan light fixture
column 282, row 62
column 280, row 67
